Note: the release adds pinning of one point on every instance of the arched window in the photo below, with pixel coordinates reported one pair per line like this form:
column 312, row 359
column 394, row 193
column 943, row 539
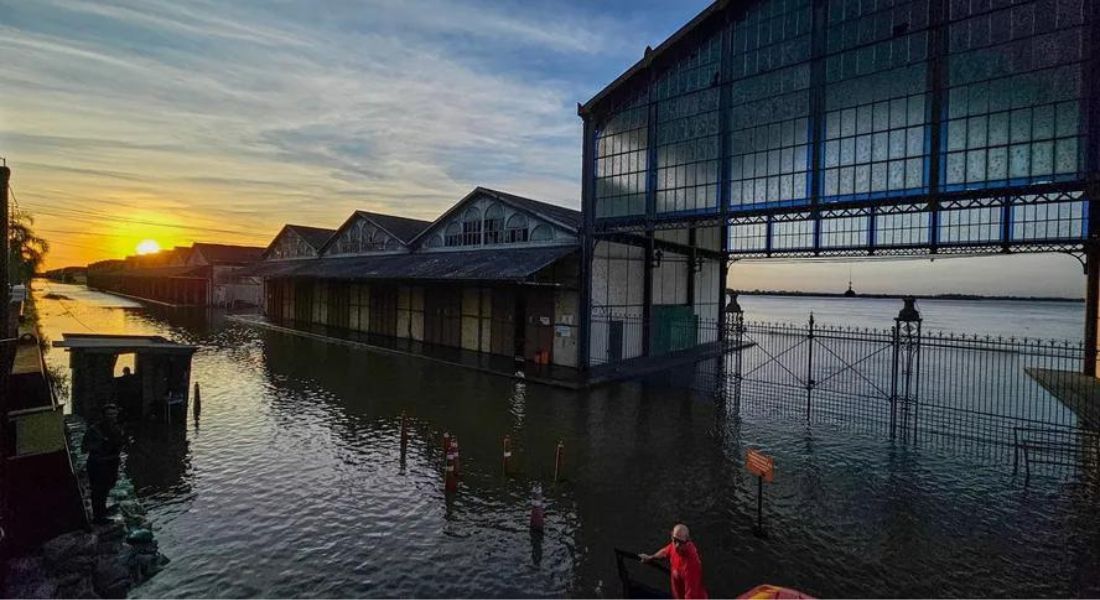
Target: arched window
column 435, row 241
column 378, row 239
column 516, row 229
column 453, row 235
column 359, row 236
column 542, row 233
column 494, row 224
column 471, row 227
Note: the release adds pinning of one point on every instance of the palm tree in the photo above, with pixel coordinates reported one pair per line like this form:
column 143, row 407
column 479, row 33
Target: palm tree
column 26, row 250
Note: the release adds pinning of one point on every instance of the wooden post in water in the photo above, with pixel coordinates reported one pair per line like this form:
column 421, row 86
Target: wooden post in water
column 559, row 460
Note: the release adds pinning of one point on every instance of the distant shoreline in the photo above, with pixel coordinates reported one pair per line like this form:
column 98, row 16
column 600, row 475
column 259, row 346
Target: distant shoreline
column 899, row 296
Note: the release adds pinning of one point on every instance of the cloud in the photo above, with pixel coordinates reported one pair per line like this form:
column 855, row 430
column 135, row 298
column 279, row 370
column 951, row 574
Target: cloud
column 267, row 113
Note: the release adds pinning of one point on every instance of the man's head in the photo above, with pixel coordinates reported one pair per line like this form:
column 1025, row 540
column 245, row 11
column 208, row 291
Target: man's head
column 126, row 371
column 680, row 535
column 110, row 412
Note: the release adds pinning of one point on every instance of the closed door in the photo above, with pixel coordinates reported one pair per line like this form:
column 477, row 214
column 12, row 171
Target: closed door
column 503, row 329
column 303, row 302
column 443, row 316
column 383, row 310
column 539, row 333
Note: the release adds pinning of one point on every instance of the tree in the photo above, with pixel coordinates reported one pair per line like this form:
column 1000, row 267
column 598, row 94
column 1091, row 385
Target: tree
column 26, row 250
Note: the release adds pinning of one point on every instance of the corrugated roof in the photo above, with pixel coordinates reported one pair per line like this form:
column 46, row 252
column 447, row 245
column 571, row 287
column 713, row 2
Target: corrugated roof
column 224, row 253
column 403, row 227
column 506, row 264
column 179, row 271
column 314, row 236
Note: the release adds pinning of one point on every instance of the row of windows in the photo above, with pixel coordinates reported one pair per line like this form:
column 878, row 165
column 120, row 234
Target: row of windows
column 983, row 224
column 475, row 230
column 1011, row 107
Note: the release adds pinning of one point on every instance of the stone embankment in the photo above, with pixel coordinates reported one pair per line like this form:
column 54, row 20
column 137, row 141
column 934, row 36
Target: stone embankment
column 105, row 561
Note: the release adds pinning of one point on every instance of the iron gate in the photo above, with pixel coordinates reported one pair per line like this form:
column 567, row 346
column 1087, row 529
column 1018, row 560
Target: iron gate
column 1013, row 398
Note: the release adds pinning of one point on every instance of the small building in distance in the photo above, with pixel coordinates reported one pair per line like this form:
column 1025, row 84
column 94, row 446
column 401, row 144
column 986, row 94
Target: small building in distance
column 198, row 275
column 492, row 281
column 221, row 265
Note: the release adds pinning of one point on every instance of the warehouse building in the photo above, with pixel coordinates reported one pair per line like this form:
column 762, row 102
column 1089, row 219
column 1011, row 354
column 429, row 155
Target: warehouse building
column 493, row 280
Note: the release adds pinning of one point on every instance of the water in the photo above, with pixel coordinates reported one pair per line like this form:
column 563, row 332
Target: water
column 293, row 484
column 1032, row 319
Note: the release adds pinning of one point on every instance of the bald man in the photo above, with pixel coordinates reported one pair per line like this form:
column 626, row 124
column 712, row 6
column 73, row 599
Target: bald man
column 684, row 564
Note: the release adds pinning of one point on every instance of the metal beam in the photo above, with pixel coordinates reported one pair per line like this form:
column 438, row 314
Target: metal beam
column 588, row 211
column 641, row 241
column 937, row 78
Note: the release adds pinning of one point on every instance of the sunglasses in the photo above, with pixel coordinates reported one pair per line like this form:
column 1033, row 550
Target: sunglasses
column 678, row 541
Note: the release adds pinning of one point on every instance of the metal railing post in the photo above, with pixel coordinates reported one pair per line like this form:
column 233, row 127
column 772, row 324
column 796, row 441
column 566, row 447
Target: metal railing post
column 894, row 382
column 907, row 326
column 810, row 367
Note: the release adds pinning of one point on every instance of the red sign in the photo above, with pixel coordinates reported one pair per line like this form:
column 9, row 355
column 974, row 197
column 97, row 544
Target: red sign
column 760, row 465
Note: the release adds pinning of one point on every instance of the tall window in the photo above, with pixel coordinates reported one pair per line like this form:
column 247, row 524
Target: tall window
column 453, row 235
column 516, row 229
column 494, row 224
column 471, row 227
column 377, row 239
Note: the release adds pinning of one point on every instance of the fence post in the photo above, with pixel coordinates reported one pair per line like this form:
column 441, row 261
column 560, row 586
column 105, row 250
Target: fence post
column 907, row 336
column 894, row 381
column 735, row 335
column 809, row 366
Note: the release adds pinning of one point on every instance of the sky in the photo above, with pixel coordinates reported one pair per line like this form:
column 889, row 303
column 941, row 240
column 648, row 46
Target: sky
column 221, row 121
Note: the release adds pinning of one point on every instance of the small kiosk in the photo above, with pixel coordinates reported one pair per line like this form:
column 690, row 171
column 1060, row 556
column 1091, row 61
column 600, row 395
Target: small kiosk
column 157, row 388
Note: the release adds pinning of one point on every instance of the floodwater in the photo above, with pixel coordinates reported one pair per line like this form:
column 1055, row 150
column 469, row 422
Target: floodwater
column 294, row 484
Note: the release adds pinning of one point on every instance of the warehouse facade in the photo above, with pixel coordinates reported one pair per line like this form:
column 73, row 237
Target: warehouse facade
column 494, row 279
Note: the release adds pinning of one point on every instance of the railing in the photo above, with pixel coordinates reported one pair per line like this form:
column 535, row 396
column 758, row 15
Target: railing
column 997, row 396
column 977, row 393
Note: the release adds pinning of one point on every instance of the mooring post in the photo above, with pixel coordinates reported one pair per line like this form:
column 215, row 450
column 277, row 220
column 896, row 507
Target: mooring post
column 760, row 505
column 197, row 408
column 404, row 432
column 559, row 460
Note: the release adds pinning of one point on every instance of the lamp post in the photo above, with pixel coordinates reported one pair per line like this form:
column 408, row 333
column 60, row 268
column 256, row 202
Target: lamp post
column 905, row 375
column 735, row 335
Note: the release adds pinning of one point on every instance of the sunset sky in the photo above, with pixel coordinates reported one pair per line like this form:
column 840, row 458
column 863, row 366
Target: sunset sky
column 194, row 121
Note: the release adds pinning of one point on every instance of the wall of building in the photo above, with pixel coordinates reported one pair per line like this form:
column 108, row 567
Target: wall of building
column 473, row 317
column 685, row 296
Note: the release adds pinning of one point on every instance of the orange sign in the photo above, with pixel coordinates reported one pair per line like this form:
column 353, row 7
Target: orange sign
column 760, row 465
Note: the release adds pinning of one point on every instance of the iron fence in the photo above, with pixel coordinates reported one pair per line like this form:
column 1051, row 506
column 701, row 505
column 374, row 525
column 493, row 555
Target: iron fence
column 1017, row 398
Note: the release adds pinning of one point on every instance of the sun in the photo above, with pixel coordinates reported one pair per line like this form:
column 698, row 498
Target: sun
column 148, row 247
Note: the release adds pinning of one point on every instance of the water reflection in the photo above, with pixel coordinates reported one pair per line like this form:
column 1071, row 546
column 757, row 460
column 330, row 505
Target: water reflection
column 296, row 484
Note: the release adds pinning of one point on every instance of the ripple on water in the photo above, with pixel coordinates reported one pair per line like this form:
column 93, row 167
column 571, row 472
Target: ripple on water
column 293, row 485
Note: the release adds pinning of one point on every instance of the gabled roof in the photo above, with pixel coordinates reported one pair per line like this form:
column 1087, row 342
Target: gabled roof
column 314, row 236
column 224, row 253
column 401, row 228
column 566, row 218
column 656, row 56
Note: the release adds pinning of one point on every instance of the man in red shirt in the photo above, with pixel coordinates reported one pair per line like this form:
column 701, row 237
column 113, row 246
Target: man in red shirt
column 684, row 564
